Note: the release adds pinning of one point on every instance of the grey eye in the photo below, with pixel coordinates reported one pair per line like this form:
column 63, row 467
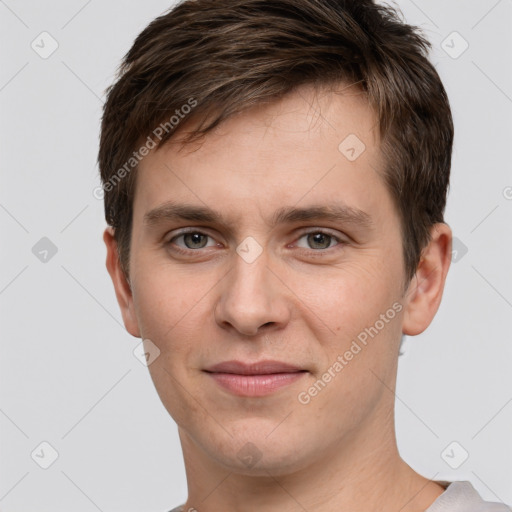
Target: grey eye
column 317, row 240
column 195, row 240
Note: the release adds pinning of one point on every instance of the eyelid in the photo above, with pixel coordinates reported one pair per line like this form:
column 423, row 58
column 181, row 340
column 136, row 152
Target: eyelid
column 325, row 231
column 184, row 231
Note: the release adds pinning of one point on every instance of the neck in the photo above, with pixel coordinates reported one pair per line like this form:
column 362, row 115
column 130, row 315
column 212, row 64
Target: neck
column 361, row 471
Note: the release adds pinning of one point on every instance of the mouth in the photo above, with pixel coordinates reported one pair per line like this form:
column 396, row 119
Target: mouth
column 254, row 379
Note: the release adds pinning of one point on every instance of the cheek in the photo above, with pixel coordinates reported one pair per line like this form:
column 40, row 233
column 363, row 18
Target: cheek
column 359, row 365
column 164, row 295
column 351, row 296
column 167, row 308
column 361, row 305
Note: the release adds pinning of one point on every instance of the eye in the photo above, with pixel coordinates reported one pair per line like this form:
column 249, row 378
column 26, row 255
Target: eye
column 317, row 240
column 192, row 240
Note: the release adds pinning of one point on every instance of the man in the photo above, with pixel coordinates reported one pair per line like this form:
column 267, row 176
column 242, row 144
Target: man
column 275, row 176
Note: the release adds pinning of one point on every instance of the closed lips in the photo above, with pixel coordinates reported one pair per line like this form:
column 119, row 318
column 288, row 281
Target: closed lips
column 258, row 368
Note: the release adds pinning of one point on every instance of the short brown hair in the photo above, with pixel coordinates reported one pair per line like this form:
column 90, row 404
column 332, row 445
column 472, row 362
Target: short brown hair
column 223, row 56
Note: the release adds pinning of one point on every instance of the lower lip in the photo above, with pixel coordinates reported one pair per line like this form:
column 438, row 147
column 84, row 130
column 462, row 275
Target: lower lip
column 255, row 385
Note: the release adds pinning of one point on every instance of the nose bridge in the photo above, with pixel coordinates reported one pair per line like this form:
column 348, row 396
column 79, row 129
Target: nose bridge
column 250, row 297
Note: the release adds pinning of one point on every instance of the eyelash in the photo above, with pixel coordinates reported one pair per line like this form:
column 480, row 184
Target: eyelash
column 316, row 252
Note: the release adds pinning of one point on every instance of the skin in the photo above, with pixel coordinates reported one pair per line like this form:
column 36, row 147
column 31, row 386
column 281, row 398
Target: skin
column 298, row 302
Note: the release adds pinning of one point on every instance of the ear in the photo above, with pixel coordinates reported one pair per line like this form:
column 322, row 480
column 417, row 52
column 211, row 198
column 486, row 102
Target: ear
column 121, row 284
column 425, row 290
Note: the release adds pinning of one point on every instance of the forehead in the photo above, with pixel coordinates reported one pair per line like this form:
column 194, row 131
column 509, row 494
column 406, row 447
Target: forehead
column 311, row 146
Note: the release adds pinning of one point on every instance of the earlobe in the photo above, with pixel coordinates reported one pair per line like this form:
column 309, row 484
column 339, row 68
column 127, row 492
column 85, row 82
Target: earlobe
column 121, row 285
column 425, row 291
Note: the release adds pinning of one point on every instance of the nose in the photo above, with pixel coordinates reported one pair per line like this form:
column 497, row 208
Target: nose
column 252, row 298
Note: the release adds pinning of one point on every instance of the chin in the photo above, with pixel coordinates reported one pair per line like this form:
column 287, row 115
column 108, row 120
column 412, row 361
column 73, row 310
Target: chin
column 254, row 452
column 256, row 462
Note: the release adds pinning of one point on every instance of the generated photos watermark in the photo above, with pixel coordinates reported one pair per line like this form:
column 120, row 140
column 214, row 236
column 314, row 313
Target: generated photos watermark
column 150, row 143
column 305, row 397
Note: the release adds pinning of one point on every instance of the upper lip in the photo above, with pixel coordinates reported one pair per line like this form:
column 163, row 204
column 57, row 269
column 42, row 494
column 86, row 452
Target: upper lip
column 259, row 368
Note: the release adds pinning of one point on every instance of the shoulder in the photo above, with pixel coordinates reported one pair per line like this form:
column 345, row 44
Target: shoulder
column 463, row 497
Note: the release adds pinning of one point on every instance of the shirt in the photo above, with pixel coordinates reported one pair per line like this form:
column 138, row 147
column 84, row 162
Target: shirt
column 458, row 497
column 462, row 497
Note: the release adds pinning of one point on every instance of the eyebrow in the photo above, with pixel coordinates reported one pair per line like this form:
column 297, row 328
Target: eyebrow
column 171, row 211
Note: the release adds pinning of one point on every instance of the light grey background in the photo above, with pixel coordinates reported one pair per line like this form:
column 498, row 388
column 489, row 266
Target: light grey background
column 68, row 374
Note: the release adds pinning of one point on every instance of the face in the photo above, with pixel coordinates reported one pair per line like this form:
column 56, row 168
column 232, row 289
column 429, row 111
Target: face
column 266, row 267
